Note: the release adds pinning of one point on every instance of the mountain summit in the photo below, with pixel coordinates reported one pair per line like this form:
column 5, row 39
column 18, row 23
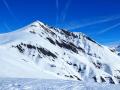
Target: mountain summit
column 41, row 51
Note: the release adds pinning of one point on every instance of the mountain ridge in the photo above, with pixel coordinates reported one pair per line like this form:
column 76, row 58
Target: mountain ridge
column 38, row 49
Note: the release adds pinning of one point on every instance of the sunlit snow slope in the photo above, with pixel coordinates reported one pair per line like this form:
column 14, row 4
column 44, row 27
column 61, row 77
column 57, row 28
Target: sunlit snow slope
column 41, row 51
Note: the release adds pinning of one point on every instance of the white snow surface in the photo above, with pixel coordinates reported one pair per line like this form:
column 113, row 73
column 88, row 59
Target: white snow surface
column 45, row 84
column 44, row 52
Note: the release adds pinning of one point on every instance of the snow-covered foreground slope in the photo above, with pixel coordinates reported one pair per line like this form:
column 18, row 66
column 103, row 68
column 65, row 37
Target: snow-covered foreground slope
column 44, row 84
column 41, row 51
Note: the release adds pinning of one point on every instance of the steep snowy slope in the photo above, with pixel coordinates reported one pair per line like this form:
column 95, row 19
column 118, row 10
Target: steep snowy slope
column 41, row 51
column 117, row 48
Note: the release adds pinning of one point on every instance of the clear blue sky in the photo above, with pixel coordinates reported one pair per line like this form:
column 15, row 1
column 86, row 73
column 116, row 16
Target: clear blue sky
column 99, row 19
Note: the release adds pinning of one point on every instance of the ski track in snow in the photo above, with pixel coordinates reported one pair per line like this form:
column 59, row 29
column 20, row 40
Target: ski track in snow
column 47, row 84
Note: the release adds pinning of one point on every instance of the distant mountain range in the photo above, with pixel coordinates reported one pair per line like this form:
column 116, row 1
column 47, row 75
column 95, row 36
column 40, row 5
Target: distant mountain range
column 42, row 51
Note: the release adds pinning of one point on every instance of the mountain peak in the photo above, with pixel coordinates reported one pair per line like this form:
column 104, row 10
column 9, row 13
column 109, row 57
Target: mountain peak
column 37, row 23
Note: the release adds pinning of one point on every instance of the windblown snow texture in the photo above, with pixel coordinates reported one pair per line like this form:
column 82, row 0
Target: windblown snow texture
column 36, row 84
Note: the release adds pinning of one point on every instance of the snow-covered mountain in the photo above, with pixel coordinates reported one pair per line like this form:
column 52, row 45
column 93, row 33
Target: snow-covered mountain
column 41, row 51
